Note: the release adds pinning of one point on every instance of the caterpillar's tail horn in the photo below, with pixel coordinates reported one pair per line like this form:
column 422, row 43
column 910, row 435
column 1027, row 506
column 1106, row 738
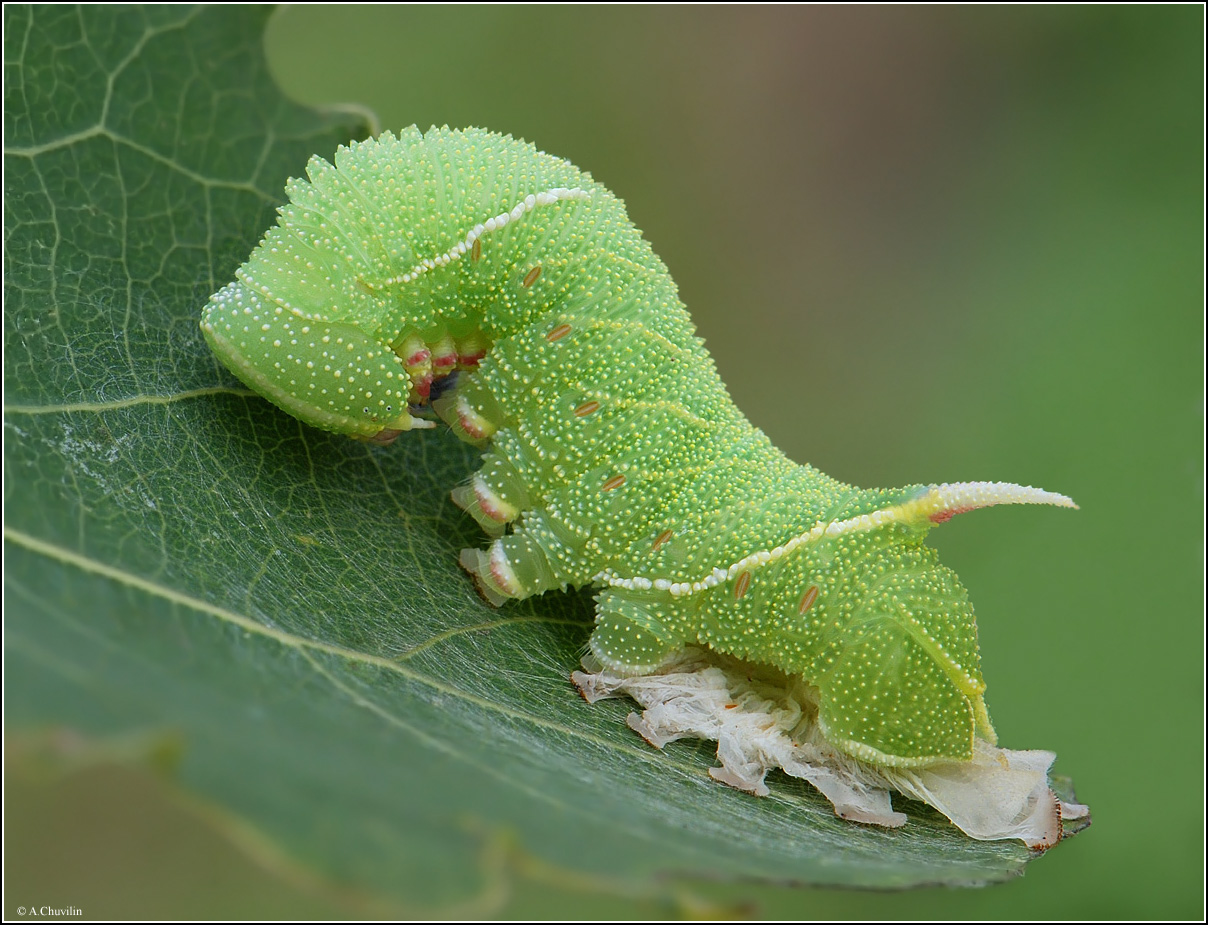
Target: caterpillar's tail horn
column 943, row 502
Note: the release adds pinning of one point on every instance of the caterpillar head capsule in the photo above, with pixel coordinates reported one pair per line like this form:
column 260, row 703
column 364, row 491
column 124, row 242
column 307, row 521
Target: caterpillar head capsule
column 329, row 374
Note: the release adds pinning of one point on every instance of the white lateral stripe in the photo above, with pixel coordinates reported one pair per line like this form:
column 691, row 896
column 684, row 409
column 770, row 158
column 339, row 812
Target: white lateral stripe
column 949, row 498
column 527, row 204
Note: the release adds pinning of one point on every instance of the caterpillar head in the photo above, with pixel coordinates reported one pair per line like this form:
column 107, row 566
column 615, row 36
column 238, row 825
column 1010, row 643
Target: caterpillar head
column 329, row 374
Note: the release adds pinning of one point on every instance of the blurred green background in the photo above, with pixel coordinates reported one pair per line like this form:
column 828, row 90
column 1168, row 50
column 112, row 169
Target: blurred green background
column 923, row 245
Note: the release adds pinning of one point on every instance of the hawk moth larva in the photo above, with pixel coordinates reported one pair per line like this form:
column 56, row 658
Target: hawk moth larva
column 615, row 457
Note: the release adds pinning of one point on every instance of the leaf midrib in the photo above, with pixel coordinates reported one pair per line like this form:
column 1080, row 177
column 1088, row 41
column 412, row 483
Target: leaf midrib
column 302, row 644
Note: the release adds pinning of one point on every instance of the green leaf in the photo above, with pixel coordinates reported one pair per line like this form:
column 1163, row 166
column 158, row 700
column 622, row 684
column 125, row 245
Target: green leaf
column 184, row 560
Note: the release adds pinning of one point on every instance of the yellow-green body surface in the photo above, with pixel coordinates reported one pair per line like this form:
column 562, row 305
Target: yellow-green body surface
column 615, row 456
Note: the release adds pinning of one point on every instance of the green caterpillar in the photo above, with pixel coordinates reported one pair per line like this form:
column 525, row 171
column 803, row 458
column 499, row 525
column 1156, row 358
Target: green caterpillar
column 616, row 457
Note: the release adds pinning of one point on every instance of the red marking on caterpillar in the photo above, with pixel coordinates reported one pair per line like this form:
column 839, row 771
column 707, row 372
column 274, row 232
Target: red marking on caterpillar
column 615, row 482
column 558, row 333
column 742, row 585
column 470, row 424
column 942, row 517
column 488, row 503
column 418, row 358
column 808, row 598
column 476, row 250
column 421, row 386
column 502, row 580
column 471, row 349
column 444, row 355
column 661, row 539
column 588, row 407
column 531, row 276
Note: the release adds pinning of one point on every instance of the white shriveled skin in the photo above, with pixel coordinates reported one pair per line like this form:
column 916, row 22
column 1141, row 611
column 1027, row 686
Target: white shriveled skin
column 614, row 455
column 762, row 722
